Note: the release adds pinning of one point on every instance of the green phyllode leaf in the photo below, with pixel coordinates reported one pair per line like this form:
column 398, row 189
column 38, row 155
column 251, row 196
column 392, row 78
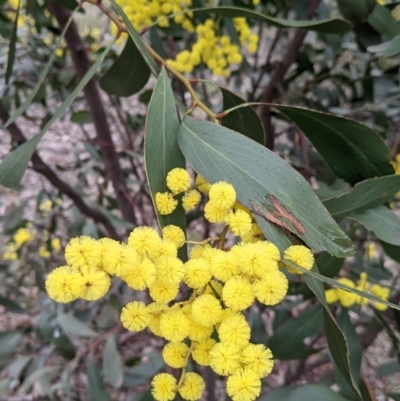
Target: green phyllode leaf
column 387, row 49
column 352, row 150
column 161, row 150
column 243, row 120
column 288, row 339
column 264, row 183
column 333, row 25
column 365, row 195
column 336, row 340
column 129, row 73
column 12, row 47
column 14, row 165
column 97, row 390
column 382, row 221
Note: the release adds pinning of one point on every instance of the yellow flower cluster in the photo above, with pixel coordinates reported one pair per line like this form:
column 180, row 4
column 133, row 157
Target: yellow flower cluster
column 212, row 47
column 21, row 237
column 220, row 285
column 348, row 299
column 178, row 181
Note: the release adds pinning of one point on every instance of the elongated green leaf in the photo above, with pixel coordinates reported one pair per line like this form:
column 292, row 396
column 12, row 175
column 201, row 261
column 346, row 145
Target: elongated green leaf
column 14, row 218
column 274, row 233
column 9, row 341
column 24, row 106
column 161, row 150
column 355, row 351
column 334, row 25
column 336, row 340
column 352, row 150
column 244, row 120
column 112, row 363
column 128, row 75
column 72, row 325
column 395, row 396
column 97, row 390
column 317, row 278
column 139, row 374
column 13, row 167
column 382, row 221
column 288, row 339
column 12, row 47
column 329, row 266
column 314, row 392
column 383, row 22
column 264, row 183
column 365, row 195
column 387, row 49
column 137, row 40
column 391, row 250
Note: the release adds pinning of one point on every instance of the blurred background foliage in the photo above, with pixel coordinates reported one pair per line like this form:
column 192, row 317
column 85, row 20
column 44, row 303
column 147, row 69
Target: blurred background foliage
column 79, row 351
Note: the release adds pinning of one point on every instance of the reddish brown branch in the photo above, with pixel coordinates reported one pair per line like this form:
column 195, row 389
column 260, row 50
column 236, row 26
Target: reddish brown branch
column 82, row 64
column 278, row 75
column 42, row 168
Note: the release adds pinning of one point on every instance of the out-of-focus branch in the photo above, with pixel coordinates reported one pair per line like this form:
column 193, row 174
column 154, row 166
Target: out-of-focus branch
column 42, row 168
column 82, row 64
column 279, row 73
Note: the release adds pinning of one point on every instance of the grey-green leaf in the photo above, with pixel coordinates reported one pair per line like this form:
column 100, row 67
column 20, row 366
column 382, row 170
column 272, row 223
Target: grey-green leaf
column 72, row 325
column 97, row 390
column 161, row 150
column 243, row 120
column 139, row 374
column 365, row 195
column 129, row 73
column 336, row 340
column 387, row 49
column 137, row 40
column 383, row 22
column 264, row 183
column 352, row 150
column 334, row 25
column 288, row 341
column 112, row 363
column 382, row 221
column 12, row 47
column 13, row 167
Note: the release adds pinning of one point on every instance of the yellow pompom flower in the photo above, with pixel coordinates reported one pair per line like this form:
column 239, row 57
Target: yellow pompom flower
column 214, row 213
column 191, row 200
column 197, row 251
column 174, row 234
column 300, row 255
column 95, row 284
column 197, row 273
column 140, row 275
column 243, row 386
column 201, row 351
column 346, row 298
column 222, row 195
column 258, row 359
column 64, row 284
column 206, row 310
column 225, row 358
column 214, row 288
column 202, row 184
column 56, row 244
column 256, row 260
column 155, row 311
column 239, row 222
column 175, row 354
column 164, row 387
column 43, row 252
column 106, row 244
column 331, row 296
column 192, row 386
column 170, row 270
column 118, row 259
column 163, row 292
column 380, row 292
column 83, row 252
column 235, row 330
column 22, row 236
column 164, row 248
column 198, row 332
column 224, row 265
column 272, row 288
column 174, row 326
column 238, row 293
column 135, row 316
column 144, row 239
column 178, row 180
column 254, row 235
column 165, row 203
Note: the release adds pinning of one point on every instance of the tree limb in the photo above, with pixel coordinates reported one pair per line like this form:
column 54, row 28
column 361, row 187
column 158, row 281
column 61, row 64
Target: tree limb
column 42, row 168
column 82, row 64
column 264, row 112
